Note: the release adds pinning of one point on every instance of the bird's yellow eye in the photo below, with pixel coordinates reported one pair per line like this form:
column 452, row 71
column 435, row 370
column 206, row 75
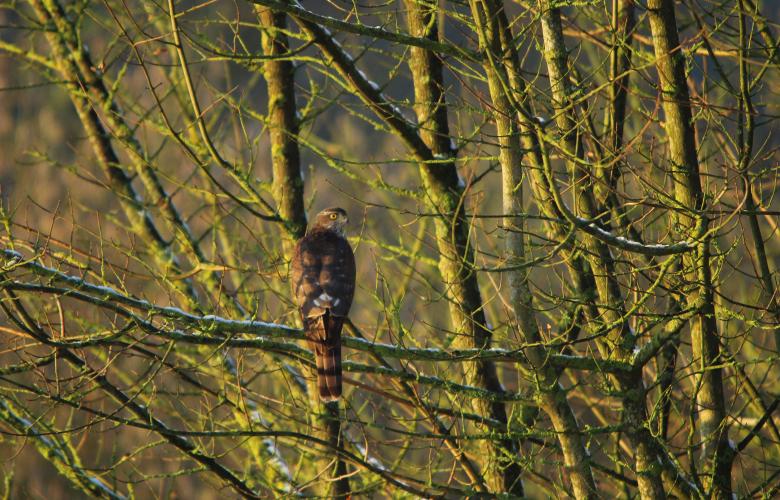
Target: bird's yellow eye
column 333, row 216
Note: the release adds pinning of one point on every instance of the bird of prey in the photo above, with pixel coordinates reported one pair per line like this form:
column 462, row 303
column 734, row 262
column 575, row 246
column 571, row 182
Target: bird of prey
column 323, row 283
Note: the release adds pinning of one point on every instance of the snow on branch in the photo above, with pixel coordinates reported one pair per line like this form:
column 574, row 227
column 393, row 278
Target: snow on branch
column 368, row 91
column 376, row 32
column 626, row 244
column 265, row 332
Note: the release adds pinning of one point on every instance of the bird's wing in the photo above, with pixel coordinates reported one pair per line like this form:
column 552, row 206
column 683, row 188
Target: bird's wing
column 337, row 278
column 305, row 276
column 323, row 274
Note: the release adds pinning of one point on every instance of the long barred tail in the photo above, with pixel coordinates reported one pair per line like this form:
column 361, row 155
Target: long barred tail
column 324, row 336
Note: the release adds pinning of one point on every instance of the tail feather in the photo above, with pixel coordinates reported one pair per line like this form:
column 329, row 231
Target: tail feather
column 324, row 336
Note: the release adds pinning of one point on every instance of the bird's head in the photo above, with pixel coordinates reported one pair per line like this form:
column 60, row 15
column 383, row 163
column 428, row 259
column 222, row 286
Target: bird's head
column 332, row 219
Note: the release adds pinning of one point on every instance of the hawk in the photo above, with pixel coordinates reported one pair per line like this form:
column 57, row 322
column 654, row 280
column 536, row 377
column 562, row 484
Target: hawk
column 323, row 284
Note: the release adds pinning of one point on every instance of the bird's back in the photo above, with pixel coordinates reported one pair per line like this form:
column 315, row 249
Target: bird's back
column 323, row 283
column 323, row 274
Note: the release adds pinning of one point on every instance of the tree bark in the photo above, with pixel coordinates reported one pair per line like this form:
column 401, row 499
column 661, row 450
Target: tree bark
column 501, row 65
column 619, row 340
column 283, row 124
column 288, row 195
column 445, row 191
column 710, row 403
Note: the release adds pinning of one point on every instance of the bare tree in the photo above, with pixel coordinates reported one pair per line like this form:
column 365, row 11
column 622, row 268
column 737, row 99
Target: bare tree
column 564, row 220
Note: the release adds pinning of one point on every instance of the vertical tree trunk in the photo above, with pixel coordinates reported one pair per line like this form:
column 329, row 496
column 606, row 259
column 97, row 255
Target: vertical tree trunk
column 444, row 196
column 283, row 123
column 620, row 64
column 746, row 133
column 288, row 195
column 500, row 66
column 619, row 340
column 608, row 170
column 710, row 403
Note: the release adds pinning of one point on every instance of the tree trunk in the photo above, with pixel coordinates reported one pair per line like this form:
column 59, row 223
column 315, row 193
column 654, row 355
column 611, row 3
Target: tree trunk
column 442, row 184
column 710, row 404
column 288, row 195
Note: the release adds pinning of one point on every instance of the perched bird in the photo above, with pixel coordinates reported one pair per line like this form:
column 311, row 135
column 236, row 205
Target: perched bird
column 323, row 283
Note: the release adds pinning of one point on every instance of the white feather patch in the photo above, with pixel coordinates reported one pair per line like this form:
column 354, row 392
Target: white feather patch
column 325, row 300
